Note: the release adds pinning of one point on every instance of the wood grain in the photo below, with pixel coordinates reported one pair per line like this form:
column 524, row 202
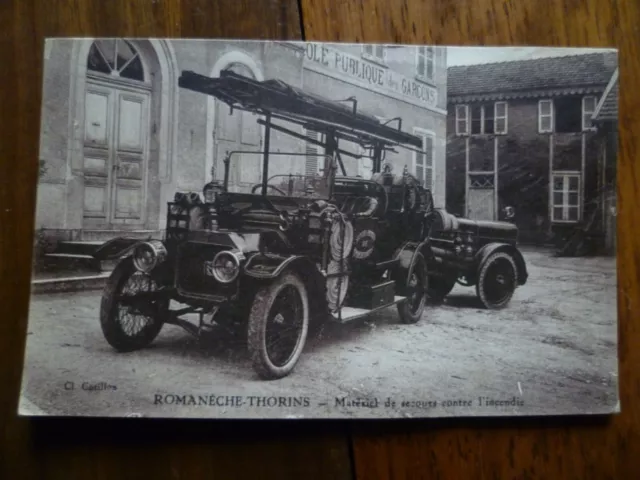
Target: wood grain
column 509, row 448
column 514, row 448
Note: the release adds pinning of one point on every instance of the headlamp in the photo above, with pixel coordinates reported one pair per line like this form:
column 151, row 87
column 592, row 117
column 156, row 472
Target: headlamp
column 225, row 266
column 148, row 255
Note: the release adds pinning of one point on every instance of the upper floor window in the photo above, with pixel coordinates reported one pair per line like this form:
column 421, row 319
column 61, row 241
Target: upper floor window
column 545, row 116
column 462, row 119
column 116, row 57
column 588, row 108
column 424, row 161
column 482, row 119
column 426, row 65
column 566, row 114
column 377, row 53
column 314, row 159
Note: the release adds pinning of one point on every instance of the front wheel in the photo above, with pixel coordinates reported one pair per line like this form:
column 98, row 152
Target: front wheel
column 130, row 321
column 497, row 280
column 278, row 326
column 411, row 309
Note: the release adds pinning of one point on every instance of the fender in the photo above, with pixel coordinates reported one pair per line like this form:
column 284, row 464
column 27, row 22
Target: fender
column 484, row 253
column 405, row 256
column 116, row 248
column 263, row 267
column 268, row 267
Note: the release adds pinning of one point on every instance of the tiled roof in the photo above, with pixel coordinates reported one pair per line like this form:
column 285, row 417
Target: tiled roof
column 607, row 108
column 521, row 77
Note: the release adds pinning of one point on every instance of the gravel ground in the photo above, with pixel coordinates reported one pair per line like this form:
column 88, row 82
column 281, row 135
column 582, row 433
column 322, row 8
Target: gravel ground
column 552, row 351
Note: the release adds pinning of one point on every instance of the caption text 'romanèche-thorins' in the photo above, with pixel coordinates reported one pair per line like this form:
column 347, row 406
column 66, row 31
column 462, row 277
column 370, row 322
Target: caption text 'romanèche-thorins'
column 255, row 401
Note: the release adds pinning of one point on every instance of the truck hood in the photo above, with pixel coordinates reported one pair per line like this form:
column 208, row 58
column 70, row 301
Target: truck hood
column 488, row 229
column 246, row 242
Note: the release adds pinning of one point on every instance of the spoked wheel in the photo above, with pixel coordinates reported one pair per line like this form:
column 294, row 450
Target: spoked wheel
column 411, row 309
column 497, row 281
column 130, row 321
column 278, row 326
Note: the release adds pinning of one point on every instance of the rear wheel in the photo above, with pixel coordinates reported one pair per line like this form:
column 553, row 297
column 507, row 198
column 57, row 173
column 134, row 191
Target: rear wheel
column 278, row 326
column 128, row 320
column 497, row 280
column 411, row 309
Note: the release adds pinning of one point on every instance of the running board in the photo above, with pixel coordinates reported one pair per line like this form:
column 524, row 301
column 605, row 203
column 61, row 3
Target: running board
column 351, row 313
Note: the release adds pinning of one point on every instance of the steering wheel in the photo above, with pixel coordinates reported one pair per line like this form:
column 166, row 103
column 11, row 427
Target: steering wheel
column 259, row 185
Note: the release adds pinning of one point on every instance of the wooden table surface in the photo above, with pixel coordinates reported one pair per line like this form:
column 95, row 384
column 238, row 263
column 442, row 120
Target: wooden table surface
column 499, row 448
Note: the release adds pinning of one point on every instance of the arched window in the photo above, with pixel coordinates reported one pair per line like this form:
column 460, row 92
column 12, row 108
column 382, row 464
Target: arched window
column 115, row 57
column 240, row 68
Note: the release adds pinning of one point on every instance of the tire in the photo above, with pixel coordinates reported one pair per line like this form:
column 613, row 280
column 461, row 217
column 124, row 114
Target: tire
column 497, row 281
column 439, row 288
column 411, row 309
column 286, row 298
column 113, row 329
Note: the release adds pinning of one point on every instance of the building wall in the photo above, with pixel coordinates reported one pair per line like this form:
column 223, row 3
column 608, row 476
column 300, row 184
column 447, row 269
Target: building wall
column 386, row 95
column 54, row 131
column 191, row 139
column 525, row 158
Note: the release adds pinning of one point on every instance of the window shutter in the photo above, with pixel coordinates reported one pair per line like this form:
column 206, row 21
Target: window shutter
column 428, row 157
column 421, row 61
column 312, row 164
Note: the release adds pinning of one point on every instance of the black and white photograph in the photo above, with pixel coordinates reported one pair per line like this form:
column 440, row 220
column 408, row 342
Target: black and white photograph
column 282, row 229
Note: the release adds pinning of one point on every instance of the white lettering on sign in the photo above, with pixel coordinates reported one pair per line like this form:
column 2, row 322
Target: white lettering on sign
column 345, row 66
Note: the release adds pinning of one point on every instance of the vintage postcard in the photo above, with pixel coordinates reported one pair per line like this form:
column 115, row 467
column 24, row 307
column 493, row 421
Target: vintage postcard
column 262, row 229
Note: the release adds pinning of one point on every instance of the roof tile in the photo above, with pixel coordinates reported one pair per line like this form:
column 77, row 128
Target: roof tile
column 536, row 74
column 609, row 108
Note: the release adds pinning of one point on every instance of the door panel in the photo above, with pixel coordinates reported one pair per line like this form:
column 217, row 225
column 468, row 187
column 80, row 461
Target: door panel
column 115, row 156
column 96, row 193
column 481, row 204
column 129, row 158
column 98, row 119
column 131, row 134
column 127, row 203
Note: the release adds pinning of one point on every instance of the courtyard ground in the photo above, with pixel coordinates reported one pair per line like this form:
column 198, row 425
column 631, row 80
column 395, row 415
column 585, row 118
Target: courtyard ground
column 552, row 351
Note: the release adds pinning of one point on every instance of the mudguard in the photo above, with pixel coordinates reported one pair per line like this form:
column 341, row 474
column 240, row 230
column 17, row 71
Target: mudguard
column 405, row 256
column 116, row 248
column 484, row 253
column 261, row 266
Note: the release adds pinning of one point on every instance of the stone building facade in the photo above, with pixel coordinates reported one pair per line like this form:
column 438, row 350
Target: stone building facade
column 521, row 135
column 119, row 138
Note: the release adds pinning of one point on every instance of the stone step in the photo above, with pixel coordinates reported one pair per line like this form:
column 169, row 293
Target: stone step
column 78, row 262
column 69, row 283
column 79, row 247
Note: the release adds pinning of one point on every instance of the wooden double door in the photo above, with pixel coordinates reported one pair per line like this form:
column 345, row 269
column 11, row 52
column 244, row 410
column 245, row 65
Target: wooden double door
column 116, row 156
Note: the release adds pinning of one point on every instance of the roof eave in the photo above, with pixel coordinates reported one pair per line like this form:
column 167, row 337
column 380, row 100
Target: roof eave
column 605, row 95
column 539, row 93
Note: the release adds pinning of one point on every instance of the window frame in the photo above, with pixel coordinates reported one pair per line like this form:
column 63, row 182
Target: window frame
column 421, row 51
column 319, row 136
column 587, row 128
column 465, row 107
column 550, row 115
column 423, row 133
column 372, row 56
column 504, row 117
column 483, row 117
column 565, row 205
column 116, row 72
